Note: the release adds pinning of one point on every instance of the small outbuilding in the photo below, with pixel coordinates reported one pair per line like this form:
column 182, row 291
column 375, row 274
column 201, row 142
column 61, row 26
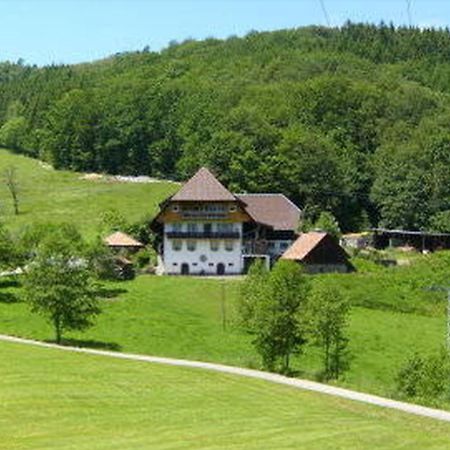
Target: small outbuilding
column 123, row 242
column 419, row 240
column 357, row 240
column 319, row 252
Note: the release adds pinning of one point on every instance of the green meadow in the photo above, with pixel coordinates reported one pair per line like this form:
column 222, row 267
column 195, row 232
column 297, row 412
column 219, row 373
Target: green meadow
column 47, row 195
column 393, row 314
column 187, row 318
column 57, row 400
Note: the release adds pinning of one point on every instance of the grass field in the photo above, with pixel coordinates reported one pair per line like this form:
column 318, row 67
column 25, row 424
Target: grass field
column 55, row 400
column 47, row 195
column 182, row 317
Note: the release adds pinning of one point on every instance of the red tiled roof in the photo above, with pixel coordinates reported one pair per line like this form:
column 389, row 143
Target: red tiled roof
column 305, row 243
column 119, row 239
column 275, row 210
column 203, row 186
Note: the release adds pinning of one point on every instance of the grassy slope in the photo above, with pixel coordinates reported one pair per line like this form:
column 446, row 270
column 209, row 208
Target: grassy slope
column 56, row 400
column 181, row 317
column 58, row 196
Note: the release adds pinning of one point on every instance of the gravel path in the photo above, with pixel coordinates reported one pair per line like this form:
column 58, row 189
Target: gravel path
column 274, row 378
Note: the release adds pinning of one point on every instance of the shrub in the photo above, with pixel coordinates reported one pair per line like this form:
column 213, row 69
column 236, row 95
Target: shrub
column 426, row 378
column 143, row 258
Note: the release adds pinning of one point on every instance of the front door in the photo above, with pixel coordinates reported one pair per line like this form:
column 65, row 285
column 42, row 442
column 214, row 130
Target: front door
column 221, row 269
column 185, row 269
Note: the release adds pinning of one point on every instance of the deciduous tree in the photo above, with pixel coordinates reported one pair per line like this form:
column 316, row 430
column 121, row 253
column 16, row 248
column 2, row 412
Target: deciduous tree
column 274, row 308
column 59, row 286
column 329, row 312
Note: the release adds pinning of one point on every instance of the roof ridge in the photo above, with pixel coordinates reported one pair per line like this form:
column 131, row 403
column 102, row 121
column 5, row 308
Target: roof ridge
column 262, row 194
column 203, row 186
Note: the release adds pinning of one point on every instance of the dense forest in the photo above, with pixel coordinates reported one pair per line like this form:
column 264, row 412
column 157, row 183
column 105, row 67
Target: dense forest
column 352, row 120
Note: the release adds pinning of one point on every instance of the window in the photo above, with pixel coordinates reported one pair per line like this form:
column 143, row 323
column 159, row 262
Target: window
column 191, row 245
column 233, row 208
column 192, row 227
column 284, row 245
column 177, row 227
column 224, row 227
column 215, row 208
column 229, row 246
column 177, row 245
column 175, row 208
column 231, row 264
column 214, row 246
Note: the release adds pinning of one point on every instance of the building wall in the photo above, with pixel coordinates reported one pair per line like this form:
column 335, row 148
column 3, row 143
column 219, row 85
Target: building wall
column 326, row 268
column 202, row 260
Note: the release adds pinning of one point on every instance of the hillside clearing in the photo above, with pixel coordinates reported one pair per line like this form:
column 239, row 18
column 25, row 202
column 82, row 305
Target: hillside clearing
column 48, row 195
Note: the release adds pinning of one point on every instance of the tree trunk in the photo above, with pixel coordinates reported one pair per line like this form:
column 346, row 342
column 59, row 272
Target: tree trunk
column 58, row 330
column 286, row 362
column 327, row 358
column 16, row 204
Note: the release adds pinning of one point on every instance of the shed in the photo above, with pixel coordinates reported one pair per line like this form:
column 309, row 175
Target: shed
column 319, row 252
column 122, row 241
column 419, row 240
column 357, row 240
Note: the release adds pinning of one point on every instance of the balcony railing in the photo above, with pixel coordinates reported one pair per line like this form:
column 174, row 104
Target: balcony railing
column 203, row 234
column 190, row 214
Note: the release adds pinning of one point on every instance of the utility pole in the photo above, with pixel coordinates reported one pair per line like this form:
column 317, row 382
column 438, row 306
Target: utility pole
column 325, row 12
column 223, row 305
column 448, row 319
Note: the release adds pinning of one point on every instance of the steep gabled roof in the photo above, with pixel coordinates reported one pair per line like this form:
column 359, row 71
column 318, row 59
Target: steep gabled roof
column 203, row 186
column 275, row 210
column 304, row 245
column 119, row 239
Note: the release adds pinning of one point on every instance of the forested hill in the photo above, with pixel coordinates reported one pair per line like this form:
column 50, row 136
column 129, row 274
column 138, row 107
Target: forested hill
column 353, row 120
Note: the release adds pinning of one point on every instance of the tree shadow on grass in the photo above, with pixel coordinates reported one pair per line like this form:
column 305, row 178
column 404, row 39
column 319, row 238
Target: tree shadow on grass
column 9, row 282
column 109, row 293
column 88, row 343
column 8, row 298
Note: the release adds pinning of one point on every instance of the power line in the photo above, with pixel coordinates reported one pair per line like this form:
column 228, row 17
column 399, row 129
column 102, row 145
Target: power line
column 325, row 12
column 408, row 11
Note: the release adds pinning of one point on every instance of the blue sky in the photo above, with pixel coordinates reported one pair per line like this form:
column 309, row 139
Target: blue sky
column 70, row 31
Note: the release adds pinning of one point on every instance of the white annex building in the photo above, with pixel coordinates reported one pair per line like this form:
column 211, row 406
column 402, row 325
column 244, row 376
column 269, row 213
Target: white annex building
column 206, row 230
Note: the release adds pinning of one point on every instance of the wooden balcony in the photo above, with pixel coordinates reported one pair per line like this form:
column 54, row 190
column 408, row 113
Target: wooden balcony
column 204, row 215
column 203, row 234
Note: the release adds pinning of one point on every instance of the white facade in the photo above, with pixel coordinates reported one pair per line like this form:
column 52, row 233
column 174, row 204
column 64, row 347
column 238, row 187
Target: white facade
column 199, row 248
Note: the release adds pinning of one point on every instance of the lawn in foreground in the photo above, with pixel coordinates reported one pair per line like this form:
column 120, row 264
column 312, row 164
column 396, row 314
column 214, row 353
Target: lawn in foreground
column 48, row 195
column 183, row 318
column 56, row 400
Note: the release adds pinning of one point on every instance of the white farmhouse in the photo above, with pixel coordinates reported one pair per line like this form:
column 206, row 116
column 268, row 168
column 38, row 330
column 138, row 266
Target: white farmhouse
column 205, row 229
